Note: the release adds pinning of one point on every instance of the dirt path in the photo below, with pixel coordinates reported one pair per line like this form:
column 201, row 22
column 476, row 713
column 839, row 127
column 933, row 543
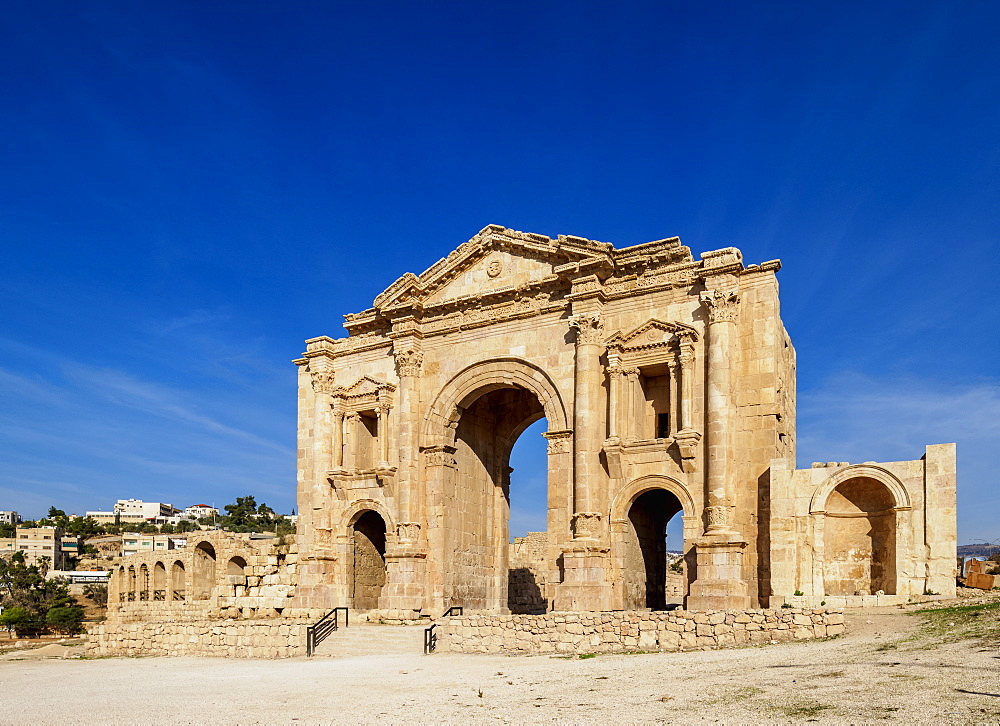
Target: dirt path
column 872, row 674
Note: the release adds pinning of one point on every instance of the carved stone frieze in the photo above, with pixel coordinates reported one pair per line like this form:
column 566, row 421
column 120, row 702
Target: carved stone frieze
column 440, row 455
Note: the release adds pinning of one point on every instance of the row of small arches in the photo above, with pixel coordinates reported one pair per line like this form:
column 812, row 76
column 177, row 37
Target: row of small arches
column 167, row 581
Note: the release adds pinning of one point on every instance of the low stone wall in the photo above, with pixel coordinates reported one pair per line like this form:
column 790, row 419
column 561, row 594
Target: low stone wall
column 224, row 639
column 610, row 632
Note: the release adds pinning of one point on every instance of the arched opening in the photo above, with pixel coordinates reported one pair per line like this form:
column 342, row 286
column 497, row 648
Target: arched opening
column 235, row 568
column 477, row 539
column 177, row 580
column 122, row 585
column 159, row 581
column 654, row 575
column 131, row 583
column 528, row 538
column 203, row 577
column 368, row 560
column 859, row 536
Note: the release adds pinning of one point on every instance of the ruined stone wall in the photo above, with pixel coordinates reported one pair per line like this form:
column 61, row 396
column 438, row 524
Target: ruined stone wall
column 526, row 589
column 226, row 639
column 610, row 632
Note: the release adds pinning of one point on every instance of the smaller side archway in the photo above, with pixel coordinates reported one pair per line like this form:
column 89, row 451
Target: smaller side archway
column 177, row 585
column 236, row 568
column 159, row 581
column 203, row 575
column 367, row 561
column 131, row 583
column 646, row 575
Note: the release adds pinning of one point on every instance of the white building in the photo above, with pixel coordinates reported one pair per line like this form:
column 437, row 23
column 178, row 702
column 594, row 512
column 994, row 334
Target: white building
column 10, row 518
column 197, row 511
column 136, row 510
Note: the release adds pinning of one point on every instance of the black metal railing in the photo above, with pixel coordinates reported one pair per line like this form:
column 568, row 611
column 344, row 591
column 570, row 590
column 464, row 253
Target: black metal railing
column 316, row 634
column 430, row 637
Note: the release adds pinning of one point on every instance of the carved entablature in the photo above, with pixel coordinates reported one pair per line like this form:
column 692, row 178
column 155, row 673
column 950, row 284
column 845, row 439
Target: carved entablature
column 653, row 342
column 367, row 394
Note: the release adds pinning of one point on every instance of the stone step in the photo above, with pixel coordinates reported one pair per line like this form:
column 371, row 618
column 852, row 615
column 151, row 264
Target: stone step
column 372, row 640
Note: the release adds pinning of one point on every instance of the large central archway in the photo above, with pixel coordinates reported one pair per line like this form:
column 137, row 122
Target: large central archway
column 484, row 437
column 478, row 416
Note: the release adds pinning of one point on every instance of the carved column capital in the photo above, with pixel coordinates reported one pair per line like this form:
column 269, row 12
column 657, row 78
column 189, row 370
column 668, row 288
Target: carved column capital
column 722, row 305
column 587, row 525
column 408, row 362
column 560, row 442
column 322, row 377
column 589, row 328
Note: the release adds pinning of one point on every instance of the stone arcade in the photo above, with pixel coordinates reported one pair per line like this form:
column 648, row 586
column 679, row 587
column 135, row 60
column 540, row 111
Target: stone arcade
column 668, row 388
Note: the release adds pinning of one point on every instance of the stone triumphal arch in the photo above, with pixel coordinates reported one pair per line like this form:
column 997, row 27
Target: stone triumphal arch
column 667, row 384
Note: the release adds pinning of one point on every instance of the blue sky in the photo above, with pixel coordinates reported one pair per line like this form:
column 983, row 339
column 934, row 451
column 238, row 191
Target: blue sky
column 192, row 189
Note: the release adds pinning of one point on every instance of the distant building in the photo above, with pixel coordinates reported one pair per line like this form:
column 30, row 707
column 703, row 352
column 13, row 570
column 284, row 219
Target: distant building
column 197, row 511
column 38, row 542
column 10, row 518
column 132, row 511
column 133, row 543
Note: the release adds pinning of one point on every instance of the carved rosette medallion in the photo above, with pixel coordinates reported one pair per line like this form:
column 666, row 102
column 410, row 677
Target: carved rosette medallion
column 589, row 328
column 586, row 525
column 495, row 267
column 409, row 362
column 722, row 305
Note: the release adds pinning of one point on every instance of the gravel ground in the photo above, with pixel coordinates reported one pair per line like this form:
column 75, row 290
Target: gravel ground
column 887, row 668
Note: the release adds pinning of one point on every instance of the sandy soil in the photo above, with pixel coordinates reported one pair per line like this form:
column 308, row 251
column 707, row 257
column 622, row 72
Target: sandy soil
column 877, row 672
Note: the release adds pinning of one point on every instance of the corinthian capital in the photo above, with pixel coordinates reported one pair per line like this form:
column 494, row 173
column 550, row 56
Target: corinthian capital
column 408, row 362
column 722, row 305
column 588, row 326
column 322, row 379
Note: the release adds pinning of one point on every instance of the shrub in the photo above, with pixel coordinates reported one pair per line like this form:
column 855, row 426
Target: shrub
column 66, row 619
column 799, row 593
column 786, row 605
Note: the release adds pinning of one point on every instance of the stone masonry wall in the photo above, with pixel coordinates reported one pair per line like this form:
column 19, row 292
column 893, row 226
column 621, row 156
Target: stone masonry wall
column 526, row 592
column 624, row 631
column 226, row 639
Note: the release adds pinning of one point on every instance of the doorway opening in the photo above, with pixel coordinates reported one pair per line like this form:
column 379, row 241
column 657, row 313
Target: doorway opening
column 655, row 576
column 368, row 573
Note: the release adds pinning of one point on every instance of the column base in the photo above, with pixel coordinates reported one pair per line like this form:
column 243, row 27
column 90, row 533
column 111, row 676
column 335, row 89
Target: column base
column 585, row 586
column 406, row 581
column 719, row 571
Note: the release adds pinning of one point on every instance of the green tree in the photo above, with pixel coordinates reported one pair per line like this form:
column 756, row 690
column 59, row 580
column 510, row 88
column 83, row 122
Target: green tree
column 21, row 620
column 8, row 531
column 65, row 619
column 25, row 586
column 185, row 525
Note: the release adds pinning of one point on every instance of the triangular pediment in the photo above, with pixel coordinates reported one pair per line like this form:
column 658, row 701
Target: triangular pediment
column 651, row 333
column 495, row 259
column 366, row 385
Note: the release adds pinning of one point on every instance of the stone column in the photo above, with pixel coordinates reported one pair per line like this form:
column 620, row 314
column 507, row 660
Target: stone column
column 338, row 436
column 687, row 437
column 588, row 395
column 632, row 392
column 351, row 422
column 585, row 584
column 722, row 308
column 676, row 398
column 406, row 585
column 719, row 554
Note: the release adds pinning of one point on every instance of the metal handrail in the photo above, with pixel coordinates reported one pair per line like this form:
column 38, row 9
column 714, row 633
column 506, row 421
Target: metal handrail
column 430, row 637
column 316, row 633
